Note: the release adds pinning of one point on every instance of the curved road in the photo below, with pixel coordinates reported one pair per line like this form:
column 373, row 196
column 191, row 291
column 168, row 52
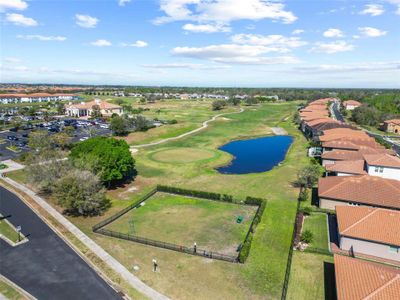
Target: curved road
column 205, row 125
column 45, row 266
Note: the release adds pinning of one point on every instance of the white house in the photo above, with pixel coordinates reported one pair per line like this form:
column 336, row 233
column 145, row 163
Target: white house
column 383, row 165
column 36, row 97
column 351, row 104
column 85, row 109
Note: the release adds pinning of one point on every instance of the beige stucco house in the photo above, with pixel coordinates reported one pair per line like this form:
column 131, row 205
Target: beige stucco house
column 85, row 109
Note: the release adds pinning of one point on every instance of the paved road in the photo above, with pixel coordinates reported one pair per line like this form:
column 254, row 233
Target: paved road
column 336, row 111
column 46, row 266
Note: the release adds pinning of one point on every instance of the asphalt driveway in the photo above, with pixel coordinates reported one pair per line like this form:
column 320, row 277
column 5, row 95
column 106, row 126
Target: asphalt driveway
column 46, row 266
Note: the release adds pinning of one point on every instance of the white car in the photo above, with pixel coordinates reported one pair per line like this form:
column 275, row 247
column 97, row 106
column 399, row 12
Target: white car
column 106, row 126
column 83, row 138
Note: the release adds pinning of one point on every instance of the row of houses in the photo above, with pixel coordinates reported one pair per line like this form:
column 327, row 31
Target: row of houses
column 362, row 184
column 35, row 97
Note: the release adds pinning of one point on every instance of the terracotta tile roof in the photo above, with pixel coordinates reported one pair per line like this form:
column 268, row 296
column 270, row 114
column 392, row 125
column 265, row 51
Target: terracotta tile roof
column 33, row 95
column 88, row 105
column 351, row 144
column 355, row 167
column 365, row 189
column 355, row 154
column 357, row 279
column 352, row 102
column 367, row 223
column 393, row 121
column 384, row 160
column 341, row 133
column 320, row 121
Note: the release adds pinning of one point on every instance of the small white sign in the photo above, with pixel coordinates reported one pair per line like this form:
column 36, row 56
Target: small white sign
column 18, row 228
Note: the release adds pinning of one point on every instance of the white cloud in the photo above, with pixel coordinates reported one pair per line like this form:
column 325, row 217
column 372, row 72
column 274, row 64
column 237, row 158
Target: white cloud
column 333, row 33
column 101, row 43
column 333, row 47
column 42, row 37
column 137, row 44
column 12, row 4
column 297, row 31
column 206, row 28
column 358, row 67
column 397, row 3
column 20, row 20
column 279, row 42
column 234, row 54
column 184, row 66
column 123, row 2
column 372, row 10
column 12, row 60
column 371, row 32
column 86, row 21
column 223, row 11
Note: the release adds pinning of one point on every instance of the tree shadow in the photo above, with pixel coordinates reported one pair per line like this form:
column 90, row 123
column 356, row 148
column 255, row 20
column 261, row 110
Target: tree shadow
column 314, row 197
column 329, row 281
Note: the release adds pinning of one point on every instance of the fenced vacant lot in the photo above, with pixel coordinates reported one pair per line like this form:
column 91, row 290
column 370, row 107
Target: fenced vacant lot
column 183, row 221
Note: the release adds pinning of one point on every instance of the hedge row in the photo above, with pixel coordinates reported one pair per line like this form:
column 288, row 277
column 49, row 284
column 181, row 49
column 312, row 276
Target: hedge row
column 194, row 193
column 261, row 203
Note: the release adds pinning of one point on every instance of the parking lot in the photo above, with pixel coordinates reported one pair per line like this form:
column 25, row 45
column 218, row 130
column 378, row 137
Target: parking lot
column 18, row 140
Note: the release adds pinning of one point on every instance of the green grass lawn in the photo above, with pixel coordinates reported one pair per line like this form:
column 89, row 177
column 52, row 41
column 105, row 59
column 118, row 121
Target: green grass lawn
column 181, row 220
column 10, row 292
column 307, row 277
column 317, row 224
column 262, row 276
column 8, row 231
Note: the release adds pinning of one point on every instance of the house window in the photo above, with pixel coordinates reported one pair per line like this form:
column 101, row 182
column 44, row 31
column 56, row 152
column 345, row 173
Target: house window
column 393, row 249
column 381, row 170
column 376, row 169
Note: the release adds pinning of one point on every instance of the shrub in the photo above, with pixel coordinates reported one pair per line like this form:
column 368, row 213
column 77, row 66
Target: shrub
column 306, row 210
column 191, row 193
column 218, row 104
column 245, row 251
column 307, row 236
column 304, row 195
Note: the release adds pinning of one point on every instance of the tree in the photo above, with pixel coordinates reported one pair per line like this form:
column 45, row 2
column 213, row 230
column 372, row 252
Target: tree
column 308, row 176
column 96, row 112
column 304, row 195
column 119, row 125
column 62, row 140
column 107, row 157
column 365, row 115
column 218, row 104
column 140, row 123
column 251, row 101
column 80, row 192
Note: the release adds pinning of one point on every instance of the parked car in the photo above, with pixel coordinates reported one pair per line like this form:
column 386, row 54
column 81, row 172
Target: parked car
column 25, row 135
column 83, row 138
column 106, row 126
column 12, row 138
column 14, row 129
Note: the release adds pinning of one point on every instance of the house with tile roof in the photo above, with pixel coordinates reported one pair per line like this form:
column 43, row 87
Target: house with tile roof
column 346, row 168
column 330, row 157
column 351, row 104
column 85, row 109
column 358, row 279
column 383, row 165
column 370, row 231
column 392, row 126
column 361, row 190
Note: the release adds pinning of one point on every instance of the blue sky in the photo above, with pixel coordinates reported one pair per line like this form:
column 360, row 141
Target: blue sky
column 249, row 43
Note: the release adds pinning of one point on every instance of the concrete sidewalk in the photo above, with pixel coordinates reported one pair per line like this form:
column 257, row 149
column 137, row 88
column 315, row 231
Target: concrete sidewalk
column 89, row 243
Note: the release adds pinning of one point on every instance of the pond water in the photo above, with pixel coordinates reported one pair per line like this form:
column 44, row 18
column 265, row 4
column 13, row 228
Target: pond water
column 256, row 155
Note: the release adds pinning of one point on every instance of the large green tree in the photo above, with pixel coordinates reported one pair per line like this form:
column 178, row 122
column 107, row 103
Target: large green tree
column 108, row 157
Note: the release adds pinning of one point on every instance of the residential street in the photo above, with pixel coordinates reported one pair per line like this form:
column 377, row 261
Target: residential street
column 46, row 266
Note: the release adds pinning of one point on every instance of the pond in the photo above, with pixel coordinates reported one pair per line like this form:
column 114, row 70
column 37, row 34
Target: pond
column 255, row 155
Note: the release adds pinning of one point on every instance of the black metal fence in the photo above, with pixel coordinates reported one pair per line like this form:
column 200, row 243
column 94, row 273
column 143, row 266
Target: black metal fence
column 290, row 256
column 165, row 245
column 98, row 228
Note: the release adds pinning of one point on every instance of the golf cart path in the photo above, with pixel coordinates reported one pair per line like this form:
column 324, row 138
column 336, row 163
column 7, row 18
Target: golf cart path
column 205, row 125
